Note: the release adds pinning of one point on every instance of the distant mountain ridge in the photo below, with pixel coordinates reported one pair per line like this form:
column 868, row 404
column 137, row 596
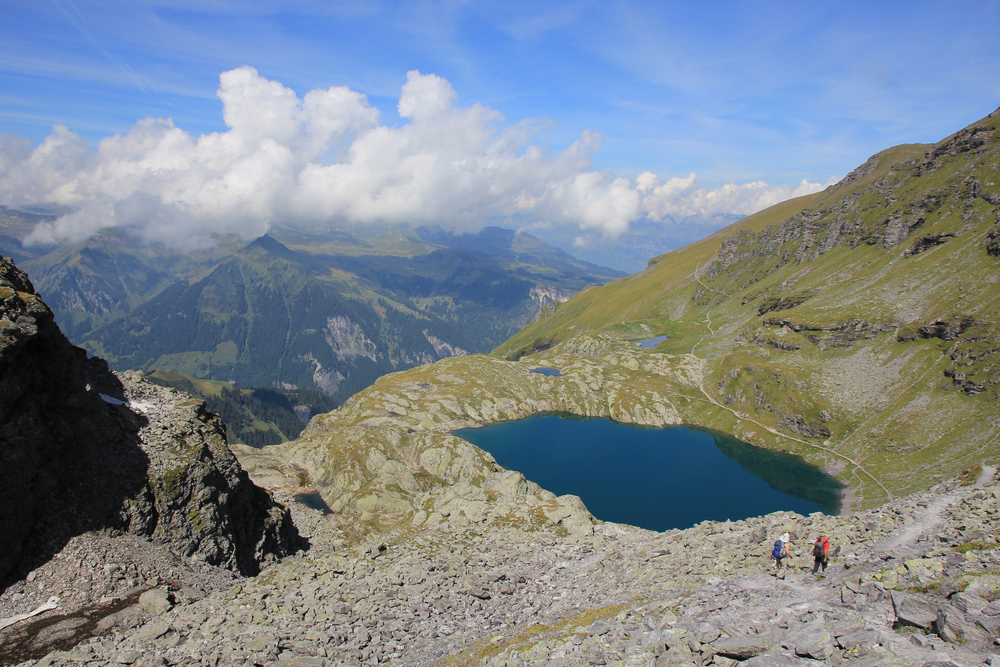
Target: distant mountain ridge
column 645, row 238
column 313, row 309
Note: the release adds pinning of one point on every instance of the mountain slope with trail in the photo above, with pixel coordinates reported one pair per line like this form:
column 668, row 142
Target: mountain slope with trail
column 861, row 319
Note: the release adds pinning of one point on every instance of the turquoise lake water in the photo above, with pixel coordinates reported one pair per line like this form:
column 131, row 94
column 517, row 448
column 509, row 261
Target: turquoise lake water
column 656, row 478
column 650, row 343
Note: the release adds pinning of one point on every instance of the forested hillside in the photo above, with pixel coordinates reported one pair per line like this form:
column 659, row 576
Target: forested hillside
column 330, row 310
column 254, row 416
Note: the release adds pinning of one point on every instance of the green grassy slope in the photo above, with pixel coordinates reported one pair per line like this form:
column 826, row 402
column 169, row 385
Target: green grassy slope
column 653, row 300
column 862, row 319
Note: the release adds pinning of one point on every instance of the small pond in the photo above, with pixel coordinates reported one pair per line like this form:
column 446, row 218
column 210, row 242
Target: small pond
column 313, row 500
column 551, row 372
column 650, row 343
column 655, row 478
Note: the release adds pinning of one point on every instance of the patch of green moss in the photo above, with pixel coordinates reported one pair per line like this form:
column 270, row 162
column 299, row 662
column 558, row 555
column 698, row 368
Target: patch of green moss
column 197, row 522
column 172, row 479
column 929, row 587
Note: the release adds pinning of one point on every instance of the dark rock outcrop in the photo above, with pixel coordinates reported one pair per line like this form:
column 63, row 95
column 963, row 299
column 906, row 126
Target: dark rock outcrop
column 860, row 172
column 945, row 330
column 993, row 242
column 973, row 355
column 196, row 497
column 839, row 334
column 927, row 242
column 783, row 302
column 962, row 141
column 80, row 450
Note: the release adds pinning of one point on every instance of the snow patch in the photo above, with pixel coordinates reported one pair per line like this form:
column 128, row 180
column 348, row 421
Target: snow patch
column 144, row 408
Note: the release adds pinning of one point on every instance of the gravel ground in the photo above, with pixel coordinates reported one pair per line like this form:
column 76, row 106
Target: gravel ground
column 500, row 595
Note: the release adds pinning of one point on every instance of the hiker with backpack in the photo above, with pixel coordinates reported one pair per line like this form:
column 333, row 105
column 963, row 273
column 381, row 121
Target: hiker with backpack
column 820, row 549
column 781, row 552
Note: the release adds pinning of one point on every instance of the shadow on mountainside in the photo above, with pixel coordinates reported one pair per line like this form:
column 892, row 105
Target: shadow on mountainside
column 78, row 453
column 68, row 458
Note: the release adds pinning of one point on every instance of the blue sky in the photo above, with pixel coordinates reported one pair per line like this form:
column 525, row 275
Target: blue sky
column 733, row 93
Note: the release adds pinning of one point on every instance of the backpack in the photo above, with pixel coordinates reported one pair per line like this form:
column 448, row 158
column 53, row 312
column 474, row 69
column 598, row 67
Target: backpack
column 818, row 549
column 779, row 549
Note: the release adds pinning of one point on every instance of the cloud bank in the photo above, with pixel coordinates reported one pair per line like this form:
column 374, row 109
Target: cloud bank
column 326, row 157
column 681, row 197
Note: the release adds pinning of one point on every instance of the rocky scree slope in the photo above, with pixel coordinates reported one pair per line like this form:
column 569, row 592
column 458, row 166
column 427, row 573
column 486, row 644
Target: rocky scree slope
column 858, row 323
column 83, row 450
column 909, row 583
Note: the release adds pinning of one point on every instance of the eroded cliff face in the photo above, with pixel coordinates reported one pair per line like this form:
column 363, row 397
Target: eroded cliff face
column 45, row 410
column 83, row 449
column 196, row 498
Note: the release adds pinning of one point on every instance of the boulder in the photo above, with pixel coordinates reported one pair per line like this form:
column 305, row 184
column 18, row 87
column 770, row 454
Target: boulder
column 741, row 648
column 953, row 624
column 984, row 586
column 774, row 660
column 880, row 659
column 970, row 604
column 910, row 610
column 990, row 625
column 864, row 638
column 156, row 601
column 815, row 643
column 152, row 630
column 846, row 627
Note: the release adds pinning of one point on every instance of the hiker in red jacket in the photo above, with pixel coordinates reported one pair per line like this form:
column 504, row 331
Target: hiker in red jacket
column 820, row 549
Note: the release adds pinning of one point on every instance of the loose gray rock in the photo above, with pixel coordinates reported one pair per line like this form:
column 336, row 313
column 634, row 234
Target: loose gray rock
column 912, row 611
column 953, row 624
column 813, row 643
column 774, row 660
column 152, row 630
column 156, row 601
column 741, row 648
column 864, row 638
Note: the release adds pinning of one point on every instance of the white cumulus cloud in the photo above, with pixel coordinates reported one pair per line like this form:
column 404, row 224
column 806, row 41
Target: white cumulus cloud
column 682, row 197
column 326, row 157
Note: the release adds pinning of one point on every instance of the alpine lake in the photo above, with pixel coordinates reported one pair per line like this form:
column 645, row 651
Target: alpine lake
column 656, row 478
